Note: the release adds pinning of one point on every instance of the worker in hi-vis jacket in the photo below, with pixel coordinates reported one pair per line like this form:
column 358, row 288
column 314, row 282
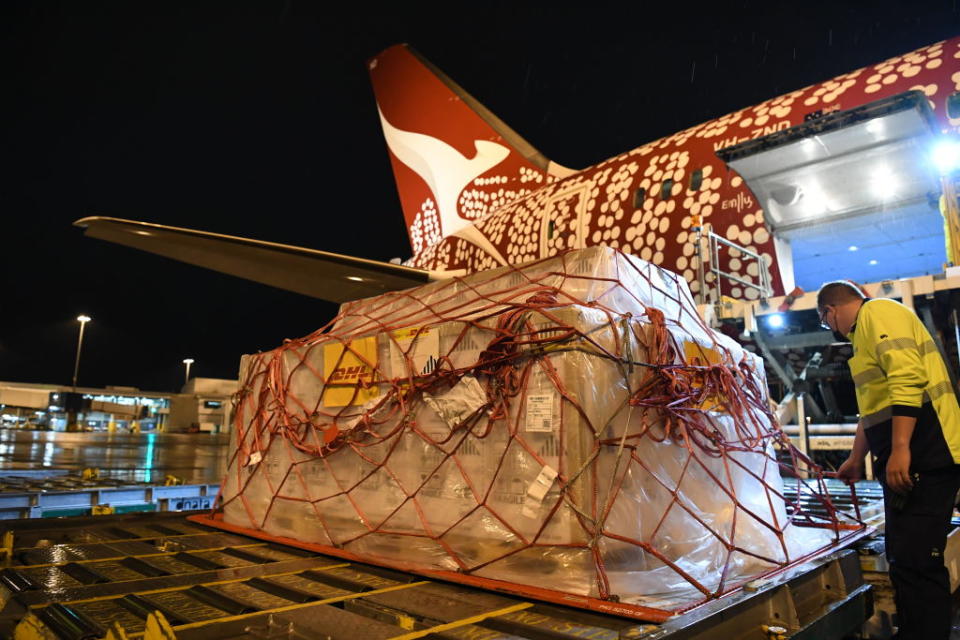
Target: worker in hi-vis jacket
column 910, row 423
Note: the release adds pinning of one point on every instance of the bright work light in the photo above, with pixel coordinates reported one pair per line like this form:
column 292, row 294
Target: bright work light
column 946, row 155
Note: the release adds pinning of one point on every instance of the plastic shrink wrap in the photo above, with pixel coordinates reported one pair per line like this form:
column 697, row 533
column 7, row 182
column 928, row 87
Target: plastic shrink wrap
column 569, row 424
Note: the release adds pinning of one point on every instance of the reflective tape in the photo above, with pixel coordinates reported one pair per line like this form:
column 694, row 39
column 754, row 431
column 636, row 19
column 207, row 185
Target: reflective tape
column 929, row 347
column 926, row 348
column 868, row 375
column 937, row 390
column 896, row 344
column 874, row 419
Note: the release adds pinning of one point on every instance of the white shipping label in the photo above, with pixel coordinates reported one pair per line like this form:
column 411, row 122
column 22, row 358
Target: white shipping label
column 540, row 412
column 255, row 457
column 460, row 402
column 420, row 346
column 537, row 490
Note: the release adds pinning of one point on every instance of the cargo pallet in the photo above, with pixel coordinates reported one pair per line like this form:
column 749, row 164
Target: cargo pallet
column 163, row 576
column 52, row 494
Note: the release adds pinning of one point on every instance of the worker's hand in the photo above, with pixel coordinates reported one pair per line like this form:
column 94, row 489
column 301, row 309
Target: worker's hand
column 898, row 470
column 850, row 471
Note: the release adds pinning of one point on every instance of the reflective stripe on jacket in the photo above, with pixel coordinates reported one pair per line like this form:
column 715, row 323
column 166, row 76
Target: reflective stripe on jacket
column 897, row 370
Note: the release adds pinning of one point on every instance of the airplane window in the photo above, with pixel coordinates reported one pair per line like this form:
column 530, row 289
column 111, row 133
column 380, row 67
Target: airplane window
column 953, row 105
column 638, row 197
column 666, row 189
column 696, row 180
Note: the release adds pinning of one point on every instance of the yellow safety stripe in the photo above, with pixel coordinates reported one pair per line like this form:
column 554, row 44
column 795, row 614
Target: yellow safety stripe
column 294, row 607
column 201, row 584
column 463, row 622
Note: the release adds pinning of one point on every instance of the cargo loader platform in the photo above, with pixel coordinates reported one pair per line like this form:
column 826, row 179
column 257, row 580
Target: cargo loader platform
column 55, row 494
column 162, row 576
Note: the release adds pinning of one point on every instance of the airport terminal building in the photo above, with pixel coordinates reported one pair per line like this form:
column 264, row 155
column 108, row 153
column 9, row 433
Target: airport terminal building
column 203, row 404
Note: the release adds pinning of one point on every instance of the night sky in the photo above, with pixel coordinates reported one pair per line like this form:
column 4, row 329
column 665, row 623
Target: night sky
column 257, row 119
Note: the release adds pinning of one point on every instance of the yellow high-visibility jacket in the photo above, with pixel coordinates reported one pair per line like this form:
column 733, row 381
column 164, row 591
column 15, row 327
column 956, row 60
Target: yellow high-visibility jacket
column 898, row 370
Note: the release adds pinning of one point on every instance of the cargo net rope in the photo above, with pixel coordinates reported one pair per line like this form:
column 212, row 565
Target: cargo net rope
column 569, row 426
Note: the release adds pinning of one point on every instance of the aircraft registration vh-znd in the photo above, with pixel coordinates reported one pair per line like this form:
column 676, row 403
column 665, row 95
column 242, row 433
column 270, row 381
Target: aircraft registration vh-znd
column 768, row 196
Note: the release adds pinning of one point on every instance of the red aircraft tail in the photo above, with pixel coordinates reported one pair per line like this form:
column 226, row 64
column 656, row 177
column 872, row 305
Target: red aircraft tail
column 453, row 160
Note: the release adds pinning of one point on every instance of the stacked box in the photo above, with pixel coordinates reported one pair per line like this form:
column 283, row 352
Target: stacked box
column 550, row 425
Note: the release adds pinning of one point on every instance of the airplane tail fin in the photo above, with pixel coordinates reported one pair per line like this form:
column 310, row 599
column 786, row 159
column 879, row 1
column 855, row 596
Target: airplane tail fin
column 454, row 161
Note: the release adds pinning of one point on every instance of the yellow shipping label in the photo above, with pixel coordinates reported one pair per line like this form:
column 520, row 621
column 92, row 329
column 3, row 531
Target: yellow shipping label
column 344, row 367
column 700, row 356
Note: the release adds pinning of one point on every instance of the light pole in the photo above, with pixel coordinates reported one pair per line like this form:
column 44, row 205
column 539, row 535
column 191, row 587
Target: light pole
column 186, row 375
column 83, row 320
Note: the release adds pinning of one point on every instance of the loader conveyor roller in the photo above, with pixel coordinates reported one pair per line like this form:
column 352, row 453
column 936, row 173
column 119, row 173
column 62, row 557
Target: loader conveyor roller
column 143, row 575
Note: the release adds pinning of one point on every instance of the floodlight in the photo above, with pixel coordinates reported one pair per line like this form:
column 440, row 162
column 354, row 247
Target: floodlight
column 946, row 155
column 883, row 184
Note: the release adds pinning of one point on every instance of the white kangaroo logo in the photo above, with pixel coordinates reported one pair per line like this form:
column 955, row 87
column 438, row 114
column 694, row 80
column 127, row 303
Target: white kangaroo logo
column 446, row 171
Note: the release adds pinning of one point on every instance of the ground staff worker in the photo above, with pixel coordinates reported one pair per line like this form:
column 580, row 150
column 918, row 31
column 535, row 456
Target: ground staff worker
column 910, row 422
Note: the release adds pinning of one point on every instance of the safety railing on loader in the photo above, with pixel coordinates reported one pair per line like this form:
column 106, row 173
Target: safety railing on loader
column 709, row 245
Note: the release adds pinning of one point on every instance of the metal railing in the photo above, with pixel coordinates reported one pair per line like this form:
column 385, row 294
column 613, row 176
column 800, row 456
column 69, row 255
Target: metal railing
column 714, row 243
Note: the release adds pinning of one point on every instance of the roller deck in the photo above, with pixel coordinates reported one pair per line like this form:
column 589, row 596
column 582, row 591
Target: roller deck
column 79, row 577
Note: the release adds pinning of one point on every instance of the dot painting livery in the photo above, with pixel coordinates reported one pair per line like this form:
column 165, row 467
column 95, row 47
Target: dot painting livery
column 475, row 195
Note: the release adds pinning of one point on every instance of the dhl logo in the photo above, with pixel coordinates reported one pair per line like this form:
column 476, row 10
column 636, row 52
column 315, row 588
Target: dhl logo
column 351, row 375
column 346, row 367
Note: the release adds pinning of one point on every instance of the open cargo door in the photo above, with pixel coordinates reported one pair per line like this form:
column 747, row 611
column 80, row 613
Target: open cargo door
column 852, row 194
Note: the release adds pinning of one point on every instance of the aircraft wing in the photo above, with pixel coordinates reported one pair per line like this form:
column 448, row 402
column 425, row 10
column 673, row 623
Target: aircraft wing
column 319, row 274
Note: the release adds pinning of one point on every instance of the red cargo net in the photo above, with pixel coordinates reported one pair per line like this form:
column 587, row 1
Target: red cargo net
column 641, row 393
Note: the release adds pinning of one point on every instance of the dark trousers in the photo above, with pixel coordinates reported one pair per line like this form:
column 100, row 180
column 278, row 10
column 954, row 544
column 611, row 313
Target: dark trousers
column 916, row 534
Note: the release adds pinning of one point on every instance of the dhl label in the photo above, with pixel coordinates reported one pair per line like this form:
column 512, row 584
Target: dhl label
column 345, row 366
column 700, row 356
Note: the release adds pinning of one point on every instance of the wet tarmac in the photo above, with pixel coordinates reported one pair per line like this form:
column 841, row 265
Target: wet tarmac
column 144, row 457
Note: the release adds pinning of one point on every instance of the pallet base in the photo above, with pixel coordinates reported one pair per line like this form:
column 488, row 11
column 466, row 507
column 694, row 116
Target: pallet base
column 626, row 610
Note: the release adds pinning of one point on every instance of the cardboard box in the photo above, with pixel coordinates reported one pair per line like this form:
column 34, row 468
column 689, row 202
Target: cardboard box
column 499, row 427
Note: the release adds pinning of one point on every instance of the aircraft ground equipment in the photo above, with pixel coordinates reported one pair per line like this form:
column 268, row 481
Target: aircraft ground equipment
column 51, row 494
column 95, row 576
